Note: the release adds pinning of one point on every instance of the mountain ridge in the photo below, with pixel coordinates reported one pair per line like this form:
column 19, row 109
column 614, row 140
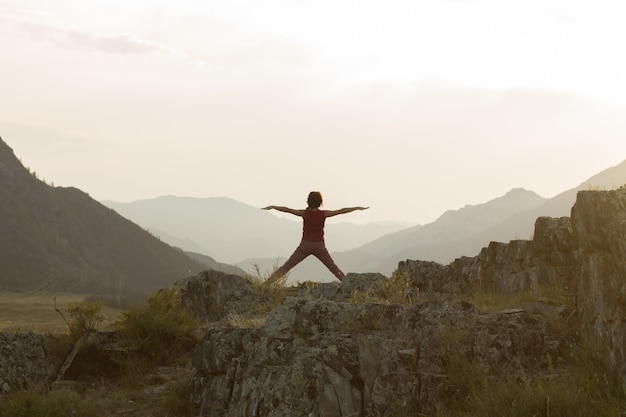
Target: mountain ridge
column 59, row 238
column 518, row 225
column 83, row 243
column 455, row 233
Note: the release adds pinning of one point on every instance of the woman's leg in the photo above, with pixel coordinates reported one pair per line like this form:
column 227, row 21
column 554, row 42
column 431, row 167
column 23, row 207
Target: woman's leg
column 302, row 251
column 322, row 254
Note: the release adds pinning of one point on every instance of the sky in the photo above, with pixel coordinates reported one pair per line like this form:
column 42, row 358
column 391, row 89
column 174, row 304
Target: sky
column 410, row 107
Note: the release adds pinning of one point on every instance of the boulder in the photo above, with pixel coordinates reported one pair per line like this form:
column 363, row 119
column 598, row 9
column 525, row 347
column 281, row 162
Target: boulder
column 211, row 294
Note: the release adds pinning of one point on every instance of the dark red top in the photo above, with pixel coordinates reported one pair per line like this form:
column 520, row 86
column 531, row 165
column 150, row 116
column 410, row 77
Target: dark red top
column 313, row 229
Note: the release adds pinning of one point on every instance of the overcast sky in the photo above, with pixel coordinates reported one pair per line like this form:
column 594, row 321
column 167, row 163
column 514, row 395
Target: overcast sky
column 412, row 107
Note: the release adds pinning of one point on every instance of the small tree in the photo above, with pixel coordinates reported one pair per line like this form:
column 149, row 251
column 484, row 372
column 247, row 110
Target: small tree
column 83, row 316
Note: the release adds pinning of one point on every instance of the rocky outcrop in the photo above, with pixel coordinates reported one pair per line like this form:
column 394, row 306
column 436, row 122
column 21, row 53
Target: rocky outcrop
column 579, row 254
column 550, row 259
column 599, row 224
column 318, row 355
column 584, row 255
column 325, row 358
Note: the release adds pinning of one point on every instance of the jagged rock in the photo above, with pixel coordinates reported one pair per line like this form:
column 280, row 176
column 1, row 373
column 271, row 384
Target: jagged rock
column 584, row 255
column 599, row 224
column 550, row 259
column 351, row 284
column 326, row 358
column 212, row 294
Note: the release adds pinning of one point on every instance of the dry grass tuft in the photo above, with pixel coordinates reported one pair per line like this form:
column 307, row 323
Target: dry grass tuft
column 270, row 285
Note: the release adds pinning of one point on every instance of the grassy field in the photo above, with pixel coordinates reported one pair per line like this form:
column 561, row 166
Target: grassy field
column 34, row 312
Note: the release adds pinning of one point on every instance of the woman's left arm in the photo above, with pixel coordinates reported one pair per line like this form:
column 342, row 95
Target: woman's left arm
column 331, row 213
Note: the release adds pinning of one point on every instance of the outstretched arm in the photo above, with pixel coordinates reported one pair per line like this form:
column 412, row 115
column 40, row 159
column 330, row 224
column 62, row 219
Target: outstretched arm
column 285, row 210
column 331, row 213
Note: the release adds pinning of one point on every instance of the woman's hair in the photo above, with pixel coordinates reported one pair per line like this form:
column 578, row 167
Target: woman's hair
column 314, row 200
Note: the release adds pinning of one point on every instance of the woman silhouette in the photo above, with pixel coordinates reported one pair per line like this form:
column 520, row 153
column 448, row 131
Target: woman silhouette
column 312, row 234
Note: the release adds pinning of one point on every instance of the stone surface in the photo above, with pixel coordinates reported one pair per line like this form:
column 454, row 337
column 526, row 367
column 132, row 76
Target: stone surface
column 584, row 255
column 550, row 259
column 325, row 358
column 211, row 295
column 24, row 361
column 320, row 356
column 599, row 224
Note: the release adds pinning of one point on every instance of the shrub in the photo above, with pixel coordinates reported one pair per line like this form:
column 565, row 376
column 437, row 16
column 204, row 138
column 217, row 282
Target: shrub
column 399, row 289
column 83, row 316
column 159, row 330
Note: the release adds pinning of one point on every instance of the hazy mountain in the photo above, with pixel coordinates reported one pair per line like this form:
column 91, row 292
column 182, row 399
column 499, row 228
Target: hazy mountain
column 187, row 245
column 62, row 239
column 195, row 252
column 231, row 231
column 510, row 217
column 521, row 225
column 211, row 263
column 451, row 226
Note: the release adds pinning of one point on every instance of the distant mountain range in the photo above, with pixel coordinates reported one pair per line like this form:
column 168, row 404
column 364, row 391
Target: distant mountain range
column 61, row 239
column 466, row 231
column 231, row 231
column 234, row 232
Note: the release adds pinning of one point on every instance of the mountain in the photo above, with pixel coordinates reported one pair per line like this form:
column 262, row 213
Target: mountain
column 211, row 263
column 507, row 218
column 60, row 238
column 231, row 231
column 451, row 226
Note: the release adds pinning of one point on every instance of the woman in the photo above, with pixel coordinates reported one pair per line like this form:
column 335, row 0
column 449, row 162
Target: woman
column 312, row 234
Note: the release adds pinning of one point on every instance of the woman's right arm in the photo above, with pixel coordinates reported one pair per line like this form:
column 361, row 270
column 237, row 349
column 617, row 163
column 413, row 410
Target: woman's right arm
column 285, row 210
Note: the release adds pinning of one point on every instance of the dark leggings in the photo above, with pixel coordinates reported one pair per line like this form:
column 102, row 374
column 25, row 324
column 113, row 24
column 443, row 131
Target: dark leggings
column 317, row 249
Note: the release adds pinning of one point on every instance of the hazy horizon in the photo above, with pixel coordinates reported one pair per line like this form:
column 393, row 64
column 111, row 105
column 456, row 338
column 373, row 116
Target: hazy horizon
column 413, row 108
